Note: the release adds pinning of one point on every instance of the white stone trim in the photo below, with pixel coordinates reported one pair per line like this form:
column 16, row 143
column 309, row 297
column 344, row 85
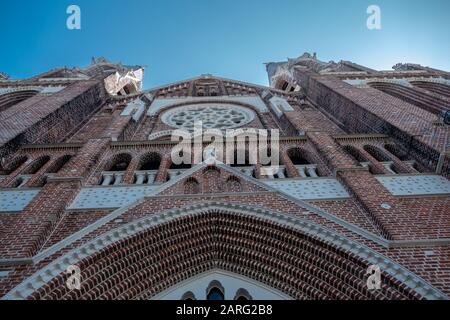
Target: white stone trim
column 198, row 285
column 56, row 267
column 41, row 90
column 226, row 134
column 160, row 134
column 224, row 116
column 135, row 109
column 401, row 81
column 238, row 82
column 279, row 106
column 163, row 103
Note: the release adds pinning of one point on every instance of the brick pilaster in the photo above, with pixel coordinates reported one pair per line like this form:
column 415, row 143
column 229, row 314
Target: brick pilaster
column 166, row 162
column 332, row 153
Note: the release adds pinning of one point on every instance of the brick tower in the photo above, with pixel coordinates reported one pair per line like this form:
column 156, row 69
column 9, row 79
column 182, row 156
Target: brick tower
column 93, row 205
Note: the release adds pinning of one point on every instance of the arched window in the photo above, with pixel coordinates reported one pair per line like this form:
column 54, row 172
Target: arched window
column 128, row 89
column 191, row 186
column 297, row 156
column 188, row 296
column 403, row 155
column 435, row 87
column 282, row 85
column 242, row 295
column 381, row 156
column 215, row 294
column 119, row 162
column 306, row 167
column 378, row 154
column 36, row 165
column 15, row 164
column 355, row 154
column 150, row 161
column 212, row 180
column 410, row 95
column 9, row 99
column 18, row 182
column 215, row 291
column 233, row 184
column 397, row 151
column 59, row 164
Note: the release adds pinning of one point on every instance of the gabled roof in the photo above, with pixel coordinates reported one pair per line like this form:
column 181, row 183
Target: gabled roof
column 209, row 76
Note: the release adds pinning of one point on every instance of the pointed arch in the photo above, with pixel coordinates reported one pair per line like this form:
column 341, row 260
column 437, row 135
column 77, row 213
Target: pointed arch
column 415, row 97
column 10, row 99
column 298, row 156
column 15, row 164
column 188, row 296
column 435, row 87
column 242, row 294
column 233, row 184
column 118, row 162
column 212, row 181
column 192, row 186
column 59, row 163
column 36, row 165
column 215, row 291
column 355, row 154
column 299, row 261
column 149, row 161
column 377, row 153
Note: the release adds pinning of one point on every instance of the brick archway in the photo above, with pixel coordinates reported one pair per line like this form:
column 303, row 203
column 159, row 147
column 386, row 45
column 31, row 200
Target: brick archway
column 161, row 254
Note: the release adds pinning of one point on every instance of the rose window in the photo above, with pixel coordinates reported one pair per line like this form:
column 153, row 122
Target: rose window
column 217, row 116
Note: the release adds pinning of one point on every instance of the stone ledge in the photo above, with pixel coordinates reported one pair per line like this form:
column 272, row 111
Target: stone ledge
column 62, row 179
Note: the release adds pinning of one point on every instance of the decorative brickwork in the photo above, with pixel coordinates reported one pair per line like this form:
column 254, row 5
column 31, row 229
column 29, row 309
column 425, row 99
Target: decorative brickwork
column 87, row 179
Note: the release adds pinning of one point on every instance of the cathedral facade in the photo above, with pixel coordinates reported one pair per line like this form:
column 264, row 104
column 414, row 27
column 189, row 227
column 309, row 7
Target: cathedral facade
column 93, row 205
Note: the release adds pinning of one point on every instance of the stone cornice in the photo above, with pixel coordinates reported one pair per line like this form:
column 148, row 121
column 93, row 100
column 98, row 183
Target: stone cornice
column 362, row 136
column 390, row 75
column 145, row 143
column 53, row 147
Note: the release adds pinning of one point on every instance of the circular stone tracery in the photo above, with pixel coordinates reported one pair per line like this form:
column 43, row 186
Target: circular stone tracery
column 212, row 115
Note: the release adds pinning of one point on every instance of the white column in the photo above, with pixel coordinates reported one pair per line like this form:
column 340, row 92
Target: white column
column 365, row 164
column 151, row 178
column 301, row 172
column 118, row 178
column 270, row 176
column 24, row 181
column 388, row 166
column 312, row 172
column 140, row 177
column 107, row 179
column 281, row 174
column 411, row 165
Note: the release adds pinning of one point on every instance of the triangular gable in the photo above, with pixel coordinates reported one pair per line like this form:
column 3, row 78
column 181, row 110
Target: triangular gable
column 173, row 186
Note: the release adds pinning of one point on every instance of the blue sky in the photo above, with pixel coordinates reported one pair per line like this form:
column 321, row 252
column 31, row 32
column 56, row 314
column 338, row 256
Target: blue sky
column 179, row 39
